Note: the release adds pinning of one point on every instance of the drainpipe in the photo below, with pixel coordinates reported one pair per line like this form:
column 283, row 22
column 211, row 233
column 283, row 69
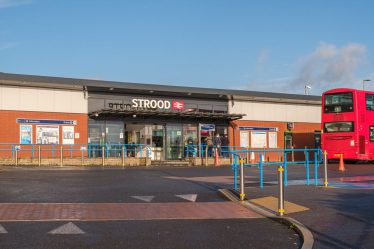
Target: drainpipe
column 233, row 130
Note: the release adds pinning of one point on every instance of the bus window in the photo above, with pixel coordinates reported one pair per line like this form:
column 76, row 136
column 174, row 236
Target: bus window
column 338, row 127
column 338, row 102
column 369, row 102
column 371, row 133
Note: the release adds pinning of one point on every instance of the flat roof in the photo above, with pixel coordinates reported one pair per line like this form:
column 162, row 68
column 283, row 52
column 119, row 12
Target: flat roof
column 102, row 86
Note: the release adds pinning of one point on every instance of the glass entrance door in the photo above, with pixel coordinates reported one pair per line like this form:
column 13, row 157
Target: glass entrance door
column 190, row 138
column 174, row 142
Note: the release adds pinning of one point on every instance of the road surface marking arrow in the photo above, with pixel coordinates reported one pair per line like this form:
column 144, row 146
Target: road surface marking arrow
column 68, row 228
column 144, row 198
column 188, row 197
column 2, row 229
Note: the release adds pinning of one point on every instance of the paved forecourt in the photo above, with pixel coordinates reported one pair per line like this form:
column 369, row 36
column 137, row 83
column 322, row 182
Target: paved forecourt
column 121, row 211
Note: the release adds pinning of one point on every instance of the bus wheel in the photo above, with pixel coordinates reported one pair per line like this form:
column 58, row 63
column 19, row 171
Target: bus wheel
column 350, row 161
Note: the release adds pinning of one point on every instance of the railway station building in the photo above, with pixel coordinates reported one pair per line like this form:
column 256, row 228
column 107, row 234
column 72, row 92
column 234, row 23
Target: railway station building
column 53, row 110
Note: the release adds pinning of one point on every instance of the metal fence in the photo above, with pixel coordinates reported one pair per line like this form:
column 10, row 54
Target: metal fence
column 282, row 169
column 242, row 154
column 203, row 150
column 93, row 150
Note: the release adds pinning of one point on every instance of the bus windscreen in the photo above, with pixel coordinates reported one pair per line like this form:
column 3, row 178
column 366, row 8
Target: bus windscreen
column 338, row 127
column 338, row 102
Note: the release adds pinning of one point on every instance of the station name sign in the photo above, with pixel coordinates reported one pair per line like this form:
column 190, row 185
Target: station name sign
column 208, row 127
column 46, row 121
column 254, row 128
column 148, row 104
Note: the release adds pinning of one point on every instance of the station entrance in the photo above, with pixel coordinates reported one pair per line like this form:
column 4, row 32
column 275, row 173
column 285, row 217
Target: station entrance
column 166, row 133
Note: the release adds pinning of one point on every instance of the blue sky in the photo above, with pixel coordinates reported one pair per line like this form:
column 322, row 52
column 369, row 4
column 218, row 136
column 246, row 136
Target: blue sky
column 271, row 46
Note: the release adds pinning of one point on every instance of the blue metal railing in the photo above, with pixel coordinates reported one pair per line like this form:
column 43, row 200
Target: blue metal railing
column 91, row 148
column 239, row 155
column 194, row 150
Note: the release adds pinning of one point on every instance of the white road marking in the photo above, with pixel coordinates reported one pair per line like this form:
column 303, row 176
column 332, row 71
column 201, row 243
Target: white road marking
column 188, row 197
column 144, row 198
column 68, row 228
column 2, row 229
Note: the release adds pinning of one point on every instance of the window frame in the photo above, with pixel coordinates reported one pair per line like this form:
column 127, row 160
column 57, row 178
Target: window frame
column 366, row 105
column 325, row 129
column 343, row 106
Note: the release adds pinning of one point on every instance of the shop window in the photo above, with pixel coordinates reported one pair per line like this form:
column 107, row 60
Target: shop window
column 206, row 108
column 191, row 108
column 220, row 109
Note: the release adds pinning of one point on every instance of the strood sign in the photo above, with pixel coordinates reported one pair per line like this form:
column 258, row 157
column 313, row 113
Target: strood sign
column 179, row 105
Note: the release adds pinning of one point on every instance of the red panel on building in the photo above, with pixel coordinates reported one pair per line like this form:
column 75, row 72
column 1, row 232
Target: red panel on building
column 178, row 105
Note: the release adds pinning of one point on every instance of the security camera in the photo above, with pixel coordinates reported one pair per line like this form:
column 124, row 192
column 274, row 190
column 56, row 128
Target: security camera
column 307, row 88
column 96, row 114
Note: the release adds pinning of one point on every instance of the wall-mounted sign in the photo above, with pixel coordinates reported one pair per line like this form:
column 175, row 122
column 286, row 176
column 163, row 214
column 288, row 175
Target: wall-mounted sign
column 207, row 127
column 244, row 139
column 150, row 104
column 272, row 140
column 146, row 103
column 258, row 139
column 68, row 134
column 253, row 128
column 178, row 105
column 47, row 134
column 290, row 126
column 25, row 134
column 46, row 121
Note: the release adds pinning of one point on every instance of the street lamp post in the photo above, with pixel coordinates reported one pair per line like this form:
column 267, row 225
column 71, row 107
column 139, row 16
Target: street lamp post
column 363, row 83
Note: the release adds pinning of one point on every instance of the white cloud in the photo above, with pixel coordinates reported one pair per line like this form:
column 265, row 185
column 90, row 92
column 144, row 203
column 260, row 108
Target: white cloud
column 325, row 68
column 329, row 67
column 261, row 60
column 280, row 85
column 11, row 3
column 6, row 45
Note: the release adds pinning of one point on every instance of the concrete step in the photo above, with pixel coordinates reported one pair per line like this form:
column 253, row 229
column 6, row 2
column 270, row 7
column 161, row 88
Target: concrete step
column 170, row 162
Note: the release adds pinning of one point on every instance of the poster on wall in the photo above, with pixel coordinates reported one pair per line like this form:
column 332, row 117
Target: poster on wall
column 258, row 139
column 272, row 140
column 68, row 134
column 26, row 134
column 244, row 139
column 47, row 134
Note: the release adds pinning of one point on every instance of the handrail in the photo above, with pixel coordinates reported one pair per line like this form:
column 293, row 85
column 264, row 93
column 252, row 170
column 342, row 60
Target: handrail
column 237, row 157
column 70, row 148
column 195, row 149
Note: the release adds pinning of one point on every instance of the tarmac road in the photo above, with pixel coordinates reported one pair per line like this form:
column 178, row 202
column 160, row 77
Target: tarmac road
column 339, row 216
column 187, row 194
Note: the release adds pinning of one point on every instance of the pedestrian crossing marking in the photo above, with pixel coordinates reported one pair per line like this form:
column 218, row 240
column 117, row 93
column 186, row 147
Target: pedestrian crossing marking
column 188, row 197
column 68, row 228
column 144, row 198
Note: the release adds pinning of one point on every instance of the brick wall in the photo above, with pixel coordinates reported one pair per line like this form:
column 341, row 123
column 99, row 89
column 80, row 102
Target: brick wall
column 303, row 135
column 10, row 130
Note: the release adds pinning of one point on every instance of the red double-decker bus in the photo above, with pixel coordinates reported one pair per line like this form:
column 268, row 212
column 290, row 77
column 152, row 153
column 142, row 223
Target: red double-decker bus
column 348, row 124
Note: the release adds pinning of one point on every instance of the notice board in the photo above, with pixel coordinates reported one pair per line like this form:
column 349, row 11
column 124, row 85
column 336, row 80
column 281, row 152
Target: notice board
column 258, row 139
column 244, row 139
